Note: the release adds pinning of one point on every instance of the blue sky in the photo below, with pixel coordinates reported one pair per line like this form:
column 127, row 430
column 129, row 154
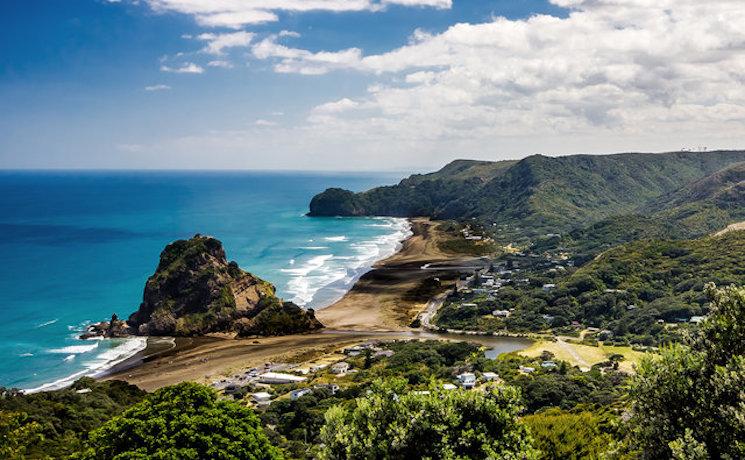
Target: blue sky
column 360, row 84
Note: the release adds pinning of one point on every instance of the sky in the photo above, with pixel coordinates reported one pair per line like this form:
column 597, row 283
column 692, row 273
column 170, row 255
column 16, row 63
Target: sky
column 356, row 85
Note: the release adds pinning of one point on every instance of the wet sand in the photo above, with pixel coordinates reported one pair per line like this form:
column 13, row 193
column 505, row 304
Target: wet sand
column 380, row 305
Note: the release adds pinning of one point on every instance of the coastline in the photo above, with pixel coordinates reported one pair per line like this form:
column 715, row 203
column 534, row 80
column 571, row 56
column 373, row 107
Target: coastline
column 380, row 305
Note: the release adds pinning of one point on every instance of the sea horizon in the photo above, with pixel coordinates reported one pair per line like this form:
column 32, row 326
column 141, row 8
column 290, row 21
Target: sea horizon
column 80, row 245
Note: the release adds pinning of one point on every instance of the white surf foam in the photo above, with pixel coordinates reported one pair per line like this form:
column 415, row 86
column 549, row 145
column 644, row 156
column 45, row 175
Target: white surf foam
column 48, row 323
column 124, row 349
column 74, row 349
column 336, row 274
column 336, row 239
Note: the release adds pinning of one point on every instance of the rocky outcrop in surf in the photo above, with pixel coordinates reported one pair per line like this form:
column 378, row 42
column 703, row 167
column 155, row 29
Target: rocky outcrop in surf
column 195, row 291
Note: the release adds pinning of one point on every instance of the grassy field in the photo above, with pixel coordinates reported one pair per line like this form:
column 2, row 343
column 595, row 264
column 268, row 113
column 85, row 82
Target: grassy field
column 584, row 356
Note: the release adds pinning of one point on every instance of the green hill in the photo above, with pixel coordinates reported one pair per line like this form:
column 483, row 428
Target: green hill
column 536, row 194
column 707, row 204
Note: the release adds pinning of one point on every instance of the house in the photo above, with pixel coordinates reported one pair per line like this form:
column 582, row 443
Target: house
column 262, row 398
column 527, row 370
column 341, row 367
column 501, row 313
column 468, row 305
column 83, row 391
column 548, row 287
column 548, row 365
column 697, row 319
column 449, row 386
column 279, row 378
column 332, row 387
column 489, row 376
column 467, row 380
column 296, row 394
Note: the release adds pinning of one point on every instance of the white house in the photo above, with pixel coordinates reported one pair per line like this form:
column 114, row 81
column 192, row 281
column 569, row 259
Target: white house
column 501, row 313
column 467, row 380
column 527, row 370
column 341, row 367
column 296, row 394
column 279, row 378
column 489, row 376
column 548, row 287
column 448, row 386
column 697, row 319
column 262, row 398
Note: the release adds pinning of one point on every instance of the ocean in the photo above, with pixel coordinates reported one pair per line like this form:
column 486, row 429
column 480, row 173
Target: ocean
column 79, row 246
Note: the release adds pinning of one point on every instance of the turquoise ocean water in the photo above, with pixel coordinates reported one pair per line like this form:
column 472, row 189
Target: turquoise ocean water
column 76, row 247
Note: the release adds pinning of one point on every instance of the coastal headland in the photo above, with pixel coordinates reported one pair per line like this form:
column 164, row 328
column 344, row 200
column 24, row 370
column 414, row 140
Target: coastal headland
column 382, row 304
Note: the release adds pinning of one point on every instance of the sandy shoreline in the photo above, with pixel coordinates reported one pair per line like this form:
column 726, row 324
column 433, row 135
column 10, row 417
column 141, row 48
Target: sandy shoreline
column 385, row 300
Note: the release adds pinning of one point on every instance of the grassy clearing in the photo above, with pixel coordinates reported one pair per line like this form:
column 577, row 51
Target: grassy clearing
column 584, row 356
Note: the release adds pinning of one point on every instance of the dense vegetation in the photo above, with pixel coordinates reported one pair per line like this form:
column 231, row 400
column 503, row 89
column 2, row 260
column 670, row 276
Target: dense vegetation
column 544, row 194
column 641, row 292
column 185, row 421
column 55, row 424
column 690, row 403
column 392, row 422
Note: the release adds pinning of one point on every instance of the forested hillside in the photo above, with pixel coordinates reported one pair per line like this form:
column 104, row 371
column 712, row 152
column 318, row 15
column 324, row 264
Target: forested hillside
column 539, row 194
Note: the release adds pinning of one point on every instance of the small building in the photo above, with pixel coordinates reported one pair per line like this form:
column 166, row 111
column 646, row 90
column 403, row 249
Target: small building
column 548, row 365
column 449, row 386
column 467, row 380
column 548, row 287
column 279, row 378
column 697, row 319
column 489, row 376
column 261, row 398
column 296, row 394
column 527, row 370
column 341, row 367
column 83, row 391
column 501, row 313
column 468, row 305
column 332, row 387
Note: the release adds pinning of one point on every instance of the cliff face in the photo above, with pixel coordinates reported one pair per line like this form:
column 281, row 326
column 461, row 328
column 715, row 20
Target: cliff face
column 195, row 290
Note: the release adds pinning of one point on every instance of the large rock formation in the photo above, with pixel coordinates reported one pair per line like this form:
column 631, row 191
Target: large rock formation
column 195, row 290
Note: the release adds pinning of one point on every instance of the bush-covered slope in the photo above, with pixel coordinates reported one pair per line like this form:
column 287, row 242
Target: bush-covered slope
column 537, row 193
column 708, row 204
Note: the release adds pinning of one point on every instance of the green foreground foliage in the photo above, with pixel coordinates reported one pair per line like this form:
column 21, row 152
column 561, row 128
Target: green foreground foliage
column 185, row 421
column 395, row 424
column 690, row 403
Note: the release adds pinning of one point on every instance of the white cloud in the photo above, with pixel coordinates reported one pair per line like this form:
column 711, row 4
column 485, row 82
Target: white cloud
column 218, row 43
column 237, row 13
column 157, row 88
column 188, row 67
column 220, row 63
column 611, row 65
column 265, row 123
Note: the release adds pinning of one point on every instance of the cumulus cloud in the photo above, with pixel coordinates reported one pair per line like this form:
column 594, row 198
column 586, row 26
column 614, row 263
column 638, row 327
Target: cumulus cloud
column 157, row 88
column 188, row 67
column 237, row 13
column 218, row 43
column 616, row 65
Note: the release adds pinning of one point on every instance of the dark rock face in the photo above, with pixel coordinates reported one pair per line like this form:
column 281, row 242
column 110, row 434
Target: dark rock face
column 195, row 290
column 113, row 329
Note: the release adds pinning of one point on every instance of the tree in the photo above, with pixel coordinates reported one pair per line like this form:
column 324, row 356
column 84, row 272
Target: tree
column 395, row 424
column 689, row 402
column 564, row 435
column 185, row 421
column 16, row 434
